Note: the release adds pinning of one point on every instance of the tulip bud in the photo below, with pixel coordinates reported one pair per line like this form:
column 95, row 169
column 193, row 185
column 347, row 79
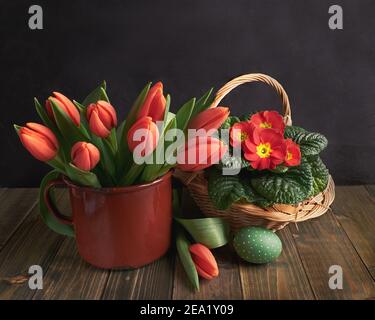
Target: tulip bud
column 204, row 261
column 209, row 119
column 154, row 105
column 85, row 156
column 39, row 141
column 145, row 132
column 65, row 105
column 200, row 153
column 102, row 118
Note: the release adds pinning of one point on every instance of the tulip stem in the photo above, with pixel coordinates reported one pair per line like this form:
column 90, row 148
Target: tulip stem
column 58, row 164
column 112, row 141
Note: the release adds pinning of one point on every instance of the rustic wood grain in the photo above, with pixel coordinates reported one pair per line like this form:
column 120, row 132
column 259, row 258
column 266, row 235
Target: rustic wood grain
column 32, row 244
column 345, row 237
column 2, row 190
column 70, row 277
column 153, row 281
column 355, row 210
column 371, row 190
column 283, row 279
column 226, row 286
column 322, row 243
column 16, row 204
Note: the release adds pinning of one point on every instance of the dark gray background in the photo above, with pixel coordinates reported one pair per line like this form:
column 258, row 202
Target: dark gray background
column 191, row 46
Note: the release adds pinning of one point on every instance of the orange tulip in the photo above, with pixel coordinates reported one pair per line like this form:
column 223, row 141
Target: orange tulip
column 85, row 156
column 154, row 105
column 200, row 153
column 204, row 261
column 144, row 131
column 65, row 105
column 209, row 119
column 102, row 118
column 39, row 141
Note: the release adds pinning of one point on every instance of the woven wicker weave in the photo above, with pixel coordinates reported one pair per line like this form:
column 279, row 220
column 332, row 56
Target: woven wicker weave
column 245, row 214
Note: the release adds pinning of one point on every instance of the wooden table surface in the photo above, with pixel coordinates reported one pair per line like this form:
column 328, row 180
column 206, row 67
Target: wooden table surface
column 344, row 237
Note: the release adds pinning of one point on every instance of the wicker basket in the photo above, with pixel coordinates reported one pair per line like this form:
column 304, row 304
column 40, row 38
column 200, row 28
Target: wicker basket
column 244, row 214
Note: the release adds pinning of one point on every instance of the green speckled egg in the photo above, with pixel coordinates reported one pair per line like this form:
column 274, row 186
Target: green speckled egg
column 257, row 245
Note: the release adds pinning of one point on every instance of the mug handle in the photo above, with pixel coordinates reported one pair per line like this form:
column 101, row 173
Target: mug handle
column 48, row 209
column 51, row 205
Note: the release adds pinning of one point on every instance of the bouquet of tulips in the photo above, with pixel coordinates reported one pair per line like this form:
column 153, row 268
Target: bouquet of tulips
column 85, row 142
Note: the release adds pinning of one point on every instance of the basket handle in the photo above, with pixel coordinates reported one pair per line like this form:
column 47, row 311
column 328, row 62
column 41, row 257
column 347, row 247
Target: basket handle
column 253, row 77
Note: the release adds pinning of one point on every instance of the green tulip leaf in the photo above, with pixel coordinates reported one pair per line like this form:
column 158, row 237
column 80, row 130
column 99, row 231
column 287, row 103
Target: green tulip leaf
column 44, row 115
column 120, row 130
column 99, row 93
column 47, row 216
column 82, row 177
column 182, row 245
column 203, row 102
column 183, row 115
column 212, row 232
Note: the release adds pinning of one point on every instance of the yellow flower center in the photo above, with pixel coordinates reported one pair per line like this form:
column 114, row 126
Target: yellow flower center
column 264, row 150
column 289, row 156
column 242, row 136
column 265, row 125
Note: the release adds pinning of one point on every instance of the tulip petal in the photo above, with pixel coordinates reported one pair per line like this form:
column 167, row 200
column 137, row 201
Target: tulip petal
column 96, row 125
column 202, row 273
column 204, row 261
column 44, row 131
column 82, row 160
column 209, row 119
column 157, row 107
column 69, row 107
column 85, row 156
column 39, row 148
column 106, row 110
column 151, row 107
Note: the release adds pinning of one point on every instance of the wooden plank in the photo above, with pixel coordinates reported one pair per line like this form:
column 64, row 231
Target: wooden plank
column 322, row 243
column 70, row 277
column 32, row 244
column 371, row 190
column 2, row 190
column 226, row 286
column 283, row 279
column 153, row 281
column 355, row 210
column 16, row 204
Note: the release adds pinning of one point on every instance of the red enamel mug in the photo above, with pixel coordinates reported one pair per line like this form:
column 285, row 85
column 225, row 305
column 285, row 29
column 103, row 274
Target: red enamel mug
column 126, row 227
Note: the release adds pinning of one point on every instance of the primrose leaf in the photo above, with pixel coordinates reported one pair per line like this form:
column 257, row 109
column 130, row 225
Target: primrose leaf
column 320, row 174
column 311, row 143
column 290, row 187
column 224, row 190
